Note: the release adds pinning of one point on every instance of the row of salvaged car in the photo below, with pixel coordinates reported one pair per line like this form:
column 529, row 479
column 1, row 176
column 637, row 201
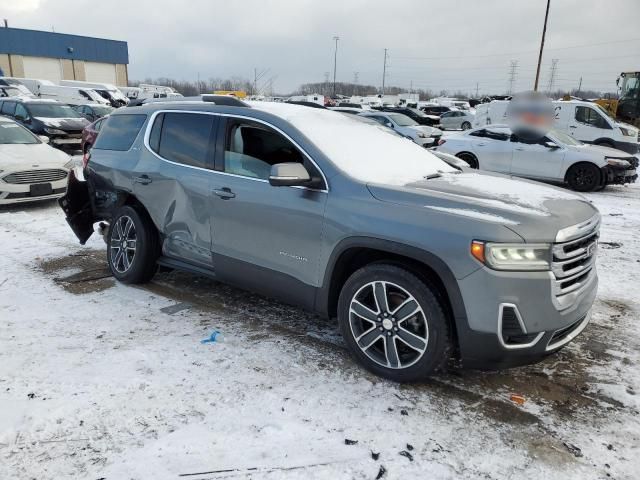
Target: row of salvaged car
column 557, row 157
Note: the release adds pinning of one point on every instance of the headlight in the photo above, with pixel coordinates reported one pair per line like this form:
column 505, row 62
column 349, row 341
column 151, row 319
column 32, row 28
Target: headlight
column 70, row 164
column 54, row 131
column 614, row 162
column 513, row 256
column 627, row 132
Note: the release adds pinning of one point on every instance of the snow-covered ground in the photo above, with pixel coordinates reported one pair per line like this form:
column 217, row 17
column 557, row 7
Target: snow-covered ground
column 102, row 380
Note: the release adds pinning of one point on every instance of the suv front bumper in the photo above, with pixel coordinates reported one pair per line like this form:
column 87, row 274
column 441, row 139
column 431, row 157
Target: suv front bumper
column 549, row 326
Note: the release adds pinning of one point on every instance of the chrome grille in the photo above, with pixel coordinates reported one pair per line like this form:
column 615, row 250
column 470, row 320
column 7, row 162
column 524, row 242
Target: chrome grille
column 573, row 263
column 35, row 176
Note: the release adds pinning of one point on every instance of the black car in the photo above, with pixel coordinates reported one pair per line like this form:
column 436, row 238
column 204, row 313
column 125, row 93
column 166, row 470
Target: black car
column 93, row 111
column 435, row 109
column 414, row 114
column 61, row 123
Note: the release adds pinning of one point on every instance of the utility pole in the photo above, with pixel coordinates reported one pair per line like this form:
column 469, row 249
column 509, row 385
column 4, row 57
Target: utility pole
column 477, row 88
column 335, row 63
column 552, row 74
column 6, row 23
column 513, row 67
column 384, row 70
column 544, row 33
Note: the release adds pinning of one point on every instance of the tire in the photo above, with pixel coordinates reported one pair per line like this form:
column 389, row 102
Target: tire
column 465, row 126
column 132, row 227
column 584, row 177
column 369, row 330
column 470, row 158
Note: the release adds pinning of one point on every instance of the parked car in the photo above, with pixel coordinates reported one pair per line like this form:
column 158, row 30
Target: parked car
column 61, row 123
column 19, row 91
column 436, row 110
column 456, row 120
column 585, row 121
column 350, row 110
column 30, row 169
column 415, row 258
column 358, row 106
column 420, row 134
column 557, row 157
column 70, row 95
column 107, row 91
column 414, row 114
column 93, row 111
column 90, row 133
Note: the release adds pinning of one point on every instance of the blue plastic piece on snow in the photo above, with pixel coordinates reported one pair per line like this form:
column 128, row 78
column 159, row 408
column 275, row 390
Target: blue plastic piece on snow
column 212, row 338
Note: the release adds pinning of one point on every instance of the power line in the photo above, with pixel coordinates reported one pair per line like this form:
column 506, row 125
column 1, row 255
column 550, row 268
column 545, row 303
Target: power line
column 552, row 74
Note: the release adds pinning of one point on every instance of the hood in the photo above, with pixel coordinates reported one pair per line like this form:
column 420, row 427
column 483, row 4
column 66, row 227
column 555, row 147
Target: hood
column 532, row 210
column 27, row 157
column 64, row 123
column 423, row 129
column 600, row 151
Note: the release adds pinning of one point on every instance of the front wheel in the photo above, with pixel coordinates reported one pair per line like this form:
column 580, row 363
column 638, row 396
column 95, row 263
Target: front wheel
column 393, row 323
column 470, row 158
column 465, row 126
column 132, row 247
column 583, row 177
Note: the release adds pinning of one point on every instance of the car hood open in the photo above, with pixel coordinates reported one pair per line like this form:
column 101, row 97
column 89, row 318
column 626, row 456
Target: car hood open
column 532, row 210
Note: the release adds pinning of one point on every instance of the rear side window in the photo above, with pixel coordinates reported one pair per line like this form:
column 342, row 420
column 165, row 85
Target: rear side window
column 184, row 138
column 119, row 132
column 8, row 108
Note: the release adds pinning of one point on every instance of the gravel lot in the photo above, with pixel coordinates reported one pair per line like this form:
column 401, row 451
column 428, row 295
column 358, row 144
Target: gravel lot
column 101, row 380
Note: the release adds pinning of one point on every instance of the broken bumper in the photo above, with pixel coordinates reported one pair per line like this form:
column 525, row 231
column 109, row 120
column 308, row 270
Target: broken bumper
column 618, row 176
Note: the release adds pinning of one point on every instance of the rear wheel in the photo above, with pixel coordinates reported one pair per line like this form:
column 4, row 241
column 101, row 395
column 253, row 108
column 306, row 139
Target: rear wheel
column 393, row 323
column 465, row 126
column 132, row 247
column 583, row 177
column 470, row 158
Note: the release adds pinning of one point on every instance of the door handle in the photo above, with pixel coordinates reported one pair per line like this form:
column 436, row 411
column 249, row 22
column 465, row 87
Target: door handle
column 142, row 180
column 573, row 126
column 520, row 149
column 480, row 144
column 224, row 193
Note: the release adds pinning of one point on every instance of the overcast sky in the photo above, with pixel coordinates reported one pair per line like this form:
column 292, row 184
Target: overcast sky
column 443, row 44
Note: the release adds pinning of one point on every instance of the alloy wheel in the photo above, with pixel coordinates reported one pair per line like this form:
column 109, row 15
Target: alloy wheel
column 123, row 244
column 388, row 324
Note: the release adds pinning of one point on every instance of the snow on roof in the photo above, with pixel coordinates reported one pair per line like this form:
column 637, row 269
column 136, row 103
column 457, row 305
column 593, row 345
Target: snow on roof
column 365, row 152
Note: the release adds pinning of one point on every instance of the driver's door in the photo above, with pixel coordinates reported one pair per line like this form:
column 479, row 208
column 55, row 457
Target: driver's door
column 264, row 237
column 534, row 159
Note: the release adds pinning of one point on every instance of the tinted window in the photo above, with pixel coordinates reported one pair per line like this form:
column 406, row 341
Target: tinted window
column 21, row 111
column 52, row 110
column 187, row 138
column 154, row 136
column 590, row 117
column 119, row 132
column 8, row 108
column 98, row 125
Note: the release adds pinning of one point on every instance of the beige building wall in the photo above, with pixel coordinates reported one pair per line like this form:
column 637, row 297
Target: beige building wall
column 79, row 71
column 4, row 64
column 122, row 75
column 67, row 69
column 17, row 65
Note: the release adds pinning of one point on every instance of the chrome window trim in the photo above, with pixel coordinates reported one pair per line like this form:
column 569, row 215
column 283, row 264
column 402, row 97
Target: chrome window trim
column 501, row 308
column 152, row 119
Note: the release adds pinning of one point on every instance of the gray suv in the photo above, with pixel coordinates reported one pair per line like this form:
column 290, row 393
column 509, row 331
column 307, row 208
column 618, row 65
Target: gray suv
column 419, row 261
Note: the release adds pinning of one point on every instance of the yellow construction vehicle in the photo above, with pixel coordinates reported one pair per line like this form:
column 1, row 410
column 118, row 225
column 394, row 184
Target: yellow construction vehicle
column 231, row 93
column 626, row 108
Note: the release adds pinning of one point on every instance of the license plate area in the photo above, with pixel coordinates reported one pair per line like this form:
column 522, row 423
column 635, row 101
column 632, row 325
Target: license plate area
column 40, row 189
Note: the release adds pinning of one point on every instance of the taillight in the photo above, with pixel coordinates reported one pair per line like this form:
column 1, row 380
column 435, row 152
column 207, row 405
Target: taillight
column 441, row 142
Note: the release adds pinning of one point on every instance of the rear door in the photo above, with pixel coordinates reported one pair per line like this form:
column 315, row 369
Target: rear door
column 173, row 181
column 265, row 237
column 492, row 148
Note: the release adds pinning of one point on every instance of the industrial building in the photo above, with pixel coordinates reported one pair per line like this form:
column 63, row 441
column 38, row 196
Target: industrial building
column 57, row 56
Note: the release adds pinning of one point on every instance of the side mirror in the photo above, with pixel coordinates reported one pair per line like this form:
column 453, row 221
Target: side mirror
column 43, row 138
column 389, row 124
column 288, row 175
column 21, row 118
column 551, row 145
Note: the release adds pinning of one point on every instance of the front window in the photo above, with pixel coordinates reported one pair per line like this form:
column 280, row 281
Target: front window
column 590, row 116
column 402, row 120
column 630, row 86
column 52, row 110
column 12, row 133
column 564, row 138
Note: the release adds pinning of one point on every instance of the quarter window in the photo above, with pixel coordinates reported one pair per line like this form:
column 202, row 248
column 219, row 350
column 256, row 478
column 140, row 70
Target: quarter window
column 184, row 138
column 119, row 132
column 21, row 111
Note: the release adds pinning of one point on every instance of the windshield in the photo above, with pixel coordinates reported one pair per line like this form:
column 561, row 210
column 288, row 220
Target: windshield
column 11, row 133
column 52, row 110
column 564, row 138
column 630, row 86
column 10, row 92
column 417, row 112
column 402, row 120
column 358, row 149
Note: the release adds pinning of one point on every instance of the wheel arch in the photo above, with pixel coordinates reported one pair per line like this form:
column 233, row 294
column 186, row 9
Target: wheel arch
column 605, row 141
column 354, row 253
column 469, row 152
column 581, row 162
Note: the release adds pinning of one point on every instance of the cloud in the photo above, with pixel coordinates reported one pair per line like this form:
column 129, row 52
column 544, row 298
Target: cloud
column 432, row 44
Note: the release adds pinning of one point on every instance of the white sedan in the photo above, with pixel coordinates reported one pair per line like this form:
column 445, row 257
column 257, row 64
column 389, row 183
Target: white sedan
column 29, row 168
column 557, row 157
